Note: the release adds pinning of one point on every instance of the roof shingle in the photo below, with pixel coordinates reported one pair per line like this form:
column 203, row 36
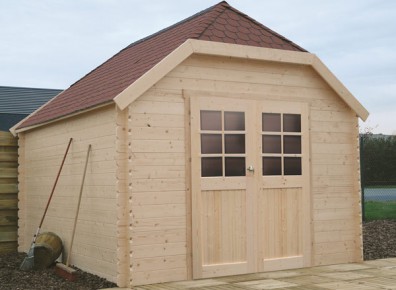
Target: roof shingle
column 221, row 23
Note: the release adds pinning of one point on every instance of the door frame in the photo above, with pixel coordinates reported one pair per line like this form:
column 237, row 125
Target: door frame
column 193, row 248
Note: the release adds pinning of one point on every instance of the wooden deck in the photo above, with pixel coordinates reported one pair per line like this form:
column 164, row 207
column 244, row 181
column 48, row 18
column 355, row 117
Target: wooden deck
column 369, row 275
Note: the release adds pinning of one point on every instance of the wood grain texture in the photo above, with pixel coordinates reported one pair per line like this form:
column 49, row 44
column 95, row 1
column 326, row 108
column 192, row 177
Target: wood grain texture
column 140, row 196
column 8, row 192
column 95, row 244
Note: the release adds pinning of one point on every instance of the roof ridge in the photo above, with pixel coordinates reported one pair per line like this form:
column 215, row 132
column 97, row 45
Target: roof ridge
column 176, row 24
column 222, row 3
column 154, row 35
column 266, row 28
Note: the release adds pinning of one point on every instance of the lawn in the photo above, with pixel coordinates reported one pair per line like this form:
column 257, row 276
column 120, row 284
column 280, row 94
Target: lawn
column 377, row 210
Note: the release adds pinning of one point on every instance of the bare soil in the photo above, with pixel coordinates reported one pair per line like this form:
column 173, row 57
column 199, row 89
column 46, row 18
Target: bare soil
column 12, row 278
column 379, row 242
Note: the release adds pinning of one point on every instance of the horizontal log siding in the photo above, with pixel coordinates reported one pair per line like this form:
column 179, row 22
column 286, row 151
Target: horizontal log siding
column 8, row 192
column 157, row 188
column 42, row 150
column 156, row 148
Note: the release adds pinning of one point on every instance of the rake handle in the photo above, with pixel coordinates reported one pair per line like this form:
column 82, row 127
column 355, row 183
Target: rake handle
column 78, row 206
column 53, row 190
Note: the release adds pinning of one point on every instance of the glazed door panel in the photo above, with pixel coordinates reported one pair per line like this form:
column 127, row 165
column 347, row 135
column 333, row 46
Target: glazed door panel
column 283, row 195
column 222, row 148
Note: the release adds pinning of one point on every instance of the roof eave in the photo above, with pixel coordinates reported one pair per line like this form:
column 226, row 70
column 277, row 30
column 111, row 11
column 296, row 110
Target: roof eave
column 193, row 46
column 15, row 130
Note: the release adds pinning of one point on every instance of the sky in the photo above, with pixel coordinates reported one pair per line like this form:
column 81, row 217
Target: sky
column 53, row 43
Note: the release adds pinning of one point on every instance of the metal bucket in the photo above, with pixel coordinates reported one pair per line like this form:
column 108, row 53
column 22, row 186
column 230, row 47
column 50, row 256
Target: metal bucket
column 47, row 249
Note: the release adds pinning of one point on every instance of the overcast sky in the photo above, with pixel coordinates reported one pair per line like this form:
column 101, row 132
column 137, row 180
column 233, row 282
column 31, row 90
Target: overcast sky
column 53, row 43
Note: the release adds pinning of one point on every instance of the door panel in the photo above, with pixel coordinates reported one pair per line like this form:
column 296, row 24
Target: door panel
column 284, row 215
column 279, row 224
column 221, row 186
column 224, row 237
column 224, row 218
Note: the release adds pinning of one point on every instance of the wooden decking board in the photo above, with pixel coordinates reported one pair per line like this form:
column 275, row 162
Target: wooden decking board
column 267, row 284
column 370, row 275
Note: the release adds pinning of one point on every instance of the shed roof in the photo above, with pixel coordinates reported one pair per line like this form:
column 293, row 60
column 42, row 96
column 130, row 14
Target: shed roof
column 219, row 23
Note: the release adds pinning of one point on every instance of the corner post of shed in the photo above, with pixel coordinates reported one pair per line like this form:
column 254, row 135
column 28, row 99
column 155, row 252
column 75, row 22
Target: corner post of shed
column 123, row 200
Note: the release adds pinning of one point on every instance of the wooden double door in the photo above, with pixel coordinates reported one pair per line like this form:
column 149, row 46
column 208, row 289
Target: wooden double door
column 250, row 186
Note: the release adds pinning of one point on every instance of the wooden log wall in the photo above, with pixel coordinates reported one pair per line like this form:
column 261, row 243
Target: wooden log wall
column 160, row 209
column 8, row 192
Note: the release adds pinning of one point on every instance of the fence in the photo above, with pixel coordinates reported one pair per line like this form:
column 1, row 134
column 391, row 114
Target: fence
column 378, row 176
column 8, row 192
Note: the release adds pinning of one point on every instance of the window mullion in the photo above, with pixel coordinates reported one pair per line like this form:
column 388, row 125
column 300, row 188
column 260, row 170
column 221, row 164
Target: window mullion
column 282, row 148
column 223, row 142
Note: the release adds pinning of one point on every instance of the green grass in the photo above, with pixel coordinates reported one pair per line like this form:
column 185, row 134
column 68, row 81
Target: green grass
column 376, row 210
column 380, row 186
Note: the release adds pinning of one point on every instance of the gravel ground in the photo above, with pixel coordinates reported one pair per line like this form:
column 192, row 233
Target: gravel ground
column 11, row 278
column 379, row 240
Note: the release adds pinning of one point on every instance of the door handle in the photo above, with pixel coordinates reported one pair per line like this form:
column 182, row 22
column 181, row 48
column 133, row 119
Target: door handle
column 250, row 168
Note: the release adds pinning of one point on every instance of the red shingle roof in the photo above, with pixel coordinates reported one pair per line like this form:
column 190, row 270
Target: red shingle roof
column 220, row 23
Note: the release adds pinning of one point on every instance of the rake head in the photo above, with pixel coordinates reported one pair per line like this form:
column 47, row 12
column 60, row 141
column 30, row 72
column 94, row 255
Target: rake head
column 28, row 262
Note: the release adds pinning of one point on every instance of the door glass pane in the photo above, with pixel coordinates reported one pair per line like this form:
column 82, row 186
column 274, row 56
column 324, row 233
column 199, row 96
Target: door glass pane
column 211, row 144
column 292, row 123
column 292, row 165
column 272, row 144
column 271, row 122
column 211, row 166
column 234, row 121
column 234, row 143
column 272, row 166
column 211, row 120
column 292, row 144
column 235, row 166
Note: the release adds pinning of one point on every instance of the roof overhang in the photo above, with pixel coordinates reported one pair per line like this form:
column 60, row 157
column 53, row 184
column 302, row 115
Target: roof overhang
column 15, row 131
column 192, row 46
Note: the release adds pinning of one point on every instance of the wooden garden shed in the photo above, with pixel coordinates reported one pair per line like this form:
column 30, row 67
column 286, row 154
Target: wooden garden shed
column 219, row 147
